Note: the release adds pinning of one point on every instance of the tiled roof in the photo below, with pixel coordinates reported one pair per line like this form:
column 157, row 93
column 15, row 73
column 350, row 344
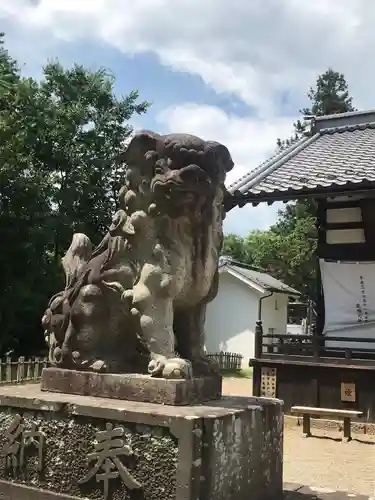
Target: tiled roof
column 261, row 279
column 339, row 151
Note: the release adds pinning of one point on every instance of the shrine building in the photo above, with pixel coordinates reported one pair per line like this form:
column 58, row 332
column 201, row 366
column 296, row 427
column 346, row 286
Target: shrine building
column 334, row 166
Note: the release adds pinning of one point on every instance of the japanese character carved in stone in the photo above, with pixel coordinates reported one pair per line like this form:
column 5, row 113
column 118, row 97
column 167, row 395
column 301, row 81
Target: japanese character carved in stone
column 106, row 459
column 18, row 439
column 137, row 302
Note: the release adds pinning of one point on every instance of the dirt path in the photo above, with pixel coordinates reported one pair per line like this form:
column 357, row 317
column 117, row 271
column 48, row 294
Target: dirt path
column 238, row 386
column 323, row 461
column 328, row 462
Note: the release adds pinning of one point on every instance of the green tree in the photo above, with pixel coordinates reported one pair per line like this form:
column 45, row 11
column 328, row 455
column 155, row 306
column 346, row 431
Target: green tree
column 9, row 74
column 56, row 137
column 234, row 246
column 329, row 96
column 259, row 249
column 85, row 125
column 285, row 255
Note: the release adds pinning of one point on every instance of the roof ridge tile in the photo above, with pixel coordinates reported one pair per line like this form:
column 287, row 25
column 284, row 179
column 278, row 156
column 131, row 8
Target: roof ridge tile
column 347, row 128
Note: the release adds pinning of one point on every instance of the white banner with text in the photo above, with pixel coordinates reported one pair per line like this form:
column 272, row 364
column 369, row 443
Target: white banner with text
column 349, row 298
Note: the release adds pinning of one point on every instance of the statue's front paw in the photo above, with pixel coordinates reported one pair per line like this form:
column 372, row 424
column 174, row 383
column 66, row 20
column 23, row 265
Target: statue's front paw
column 157, row 365
column 127, row 295
column 178, row 368
column 56, row 355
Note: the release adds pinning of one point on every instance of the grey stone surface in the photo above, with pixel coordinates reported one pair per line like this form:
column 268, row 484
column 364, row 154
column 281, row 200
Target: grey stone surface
column 227, row 449
column 137, row 302
column 132, row 387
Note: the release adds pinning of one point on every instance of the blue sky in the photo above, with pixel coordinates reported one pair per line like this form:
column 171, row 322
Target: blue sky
column 238, row 79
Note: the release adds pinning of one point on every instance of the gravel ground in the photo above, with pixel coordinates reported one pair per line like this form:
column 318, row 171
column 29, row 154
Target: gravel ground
column 238, row 386
column 324, row 461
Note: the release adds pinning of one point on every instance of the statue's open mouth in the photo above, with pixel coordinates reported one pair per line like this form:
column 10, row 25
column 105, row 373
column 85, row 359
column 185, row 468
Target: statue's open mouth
column 191, row 179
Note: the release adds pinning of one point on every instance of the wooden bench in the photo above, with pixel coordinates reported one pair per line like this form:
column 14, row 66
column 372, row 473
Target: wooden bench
column 307, row 412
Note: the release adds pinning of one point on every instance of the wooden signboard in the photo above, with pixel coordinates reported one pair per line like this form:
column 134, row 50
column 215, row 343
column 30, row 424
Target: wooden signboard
column 348, row 392
column 268, row 384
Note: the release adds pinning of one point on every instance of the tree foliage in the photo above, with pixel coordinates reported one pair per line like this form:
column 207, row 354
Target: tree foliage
column 286, row 255
column 287, row 249
column 56, row 137
column 329, row 96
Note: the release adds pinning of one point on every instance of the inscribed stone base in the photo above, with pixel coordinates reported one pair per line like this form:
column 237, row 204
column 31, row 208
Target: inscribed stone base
column 132, row 387
column 59, row 446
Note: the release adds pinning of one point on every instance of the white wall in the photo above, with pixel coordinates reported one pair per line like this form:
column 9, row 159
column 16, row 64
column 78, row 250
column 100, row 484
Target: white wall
column 274, row 313
column 342, row 236
column 231, row 318
column 274, row 316
column 295, row 329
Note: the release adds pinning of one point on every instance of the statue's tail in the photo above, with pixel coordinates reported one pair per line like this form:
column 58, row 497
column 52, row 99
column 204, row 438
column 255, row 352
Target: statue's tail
column 78, row 254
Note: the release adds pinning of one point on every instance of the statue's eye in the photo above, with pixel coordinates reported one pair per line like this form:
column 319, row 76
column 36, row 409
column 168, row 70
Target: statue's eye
column 159, row 170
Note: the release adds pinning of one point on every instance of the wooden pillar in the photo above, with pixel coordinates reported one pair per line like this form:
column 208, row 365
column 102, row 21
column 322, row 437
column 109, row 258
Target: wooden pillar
column 368, row 217
column 315, row 393
column 257, row 369
column 306, row 425
column 321, row 216
column 258, row 341
column 347, row 430
column 316, row 345
column 257, row 379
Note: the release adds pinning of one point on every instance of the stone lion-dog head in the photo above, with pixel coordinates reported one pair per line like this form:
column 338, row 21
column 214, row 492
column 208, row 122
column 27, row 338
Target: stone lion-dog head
column 176, row 175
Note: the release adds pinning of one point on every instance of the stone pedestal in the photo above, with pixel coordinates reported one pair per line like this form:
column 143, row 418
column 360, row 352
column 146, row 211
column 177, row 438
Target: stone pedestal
column 63, row 446
column 132, row 387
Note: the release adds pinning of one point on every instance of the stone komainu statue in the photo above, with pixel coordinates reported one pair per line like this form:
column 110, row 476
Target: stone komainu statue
column 137, row 302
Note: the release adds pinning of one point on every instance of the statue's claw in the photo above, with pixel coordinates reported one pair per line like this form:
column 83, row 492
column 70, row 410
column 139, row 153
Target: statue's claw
column 98, row 366
column 127, row 295
column 178, row 368
column 174, row 368
column 156, row 365
column 57, row 355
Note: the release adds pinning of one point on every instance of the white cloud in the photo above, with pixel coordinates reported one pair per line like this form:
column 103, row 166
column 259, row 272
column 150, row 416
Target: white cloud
column 249, row 140
column 253, row 49
column 256, row 50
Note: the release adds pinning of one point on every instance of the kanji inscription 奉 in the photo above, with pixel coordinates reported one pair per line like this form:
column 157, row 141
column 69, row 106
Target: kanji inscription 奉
column 109, row 448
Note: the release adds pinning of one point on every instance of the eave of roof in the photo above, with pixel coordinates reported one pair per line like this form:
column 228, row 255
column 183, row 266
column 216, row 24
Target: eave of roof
column 240, row 276
column 252, row 188
column 261, row 287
